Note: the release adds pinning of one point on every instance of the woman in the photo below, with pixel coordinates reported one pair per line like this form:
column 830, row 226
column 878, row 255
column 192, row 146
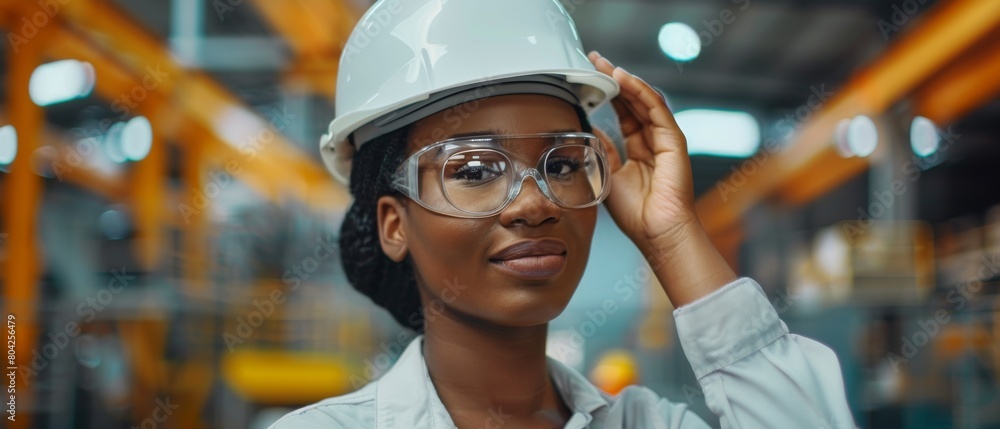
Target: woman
column 462, row 127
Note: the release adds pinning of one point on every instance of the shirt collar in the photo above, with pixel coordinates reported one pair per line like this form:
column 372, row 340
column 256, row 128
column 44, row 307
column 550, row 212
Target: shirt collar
column 405, row 396
column 579, row 393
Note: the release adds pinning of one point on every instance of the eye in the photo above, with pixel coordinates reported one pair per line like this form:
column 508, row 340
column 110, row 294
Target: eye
column 474, row 169
column 562, row 166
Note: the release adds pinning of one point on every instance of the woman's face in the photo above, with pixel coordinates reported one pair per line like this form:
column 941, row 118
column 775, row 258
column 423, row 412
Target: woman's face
column 466, row 268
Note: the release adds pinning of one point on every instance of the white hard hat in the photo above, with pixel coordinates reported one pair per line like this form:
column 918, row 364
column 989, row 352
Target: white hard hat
column 408, row 59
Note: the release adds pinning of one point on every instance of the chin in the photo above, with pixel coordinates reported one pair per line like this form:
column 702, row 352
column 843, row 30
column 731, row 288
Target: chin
column 531, row 305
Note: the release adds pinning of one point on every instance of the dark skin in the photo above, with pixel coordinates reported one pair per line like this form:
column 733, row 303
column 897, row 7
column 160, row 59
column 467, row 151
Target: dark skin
column 485, row 330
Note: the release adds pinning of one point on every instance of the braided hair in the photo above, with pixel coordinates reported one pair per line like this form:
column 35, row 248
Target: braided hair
column 389, row 284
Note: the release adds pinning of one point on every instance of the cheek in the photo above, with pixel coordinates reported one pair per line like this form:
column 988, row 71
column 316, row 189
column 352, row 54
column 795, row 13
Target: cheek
column 445, row 248
column 584, row 222
column 451, row 256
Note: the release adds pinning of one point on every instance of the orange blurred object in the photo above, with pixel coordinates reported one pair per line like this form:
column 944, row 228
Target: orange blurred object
column 616, row 370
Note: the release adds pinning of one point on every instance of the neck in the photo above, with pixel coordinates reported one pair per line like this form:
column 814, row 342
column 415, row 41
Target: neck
column 487, row 370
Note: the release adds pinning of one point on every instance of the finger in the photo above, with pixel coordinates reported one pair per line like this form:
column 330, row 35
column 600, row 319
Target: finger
column 626, row 119
column 630, row 118
column 614, row 158
column 645, row 97
column 637, row 150
column 605, row 66
column 635, row 107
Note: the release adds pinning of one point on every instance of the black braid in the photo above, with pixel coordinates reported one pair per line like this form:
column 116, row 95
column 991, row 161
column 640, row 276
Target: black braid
column 387, row 283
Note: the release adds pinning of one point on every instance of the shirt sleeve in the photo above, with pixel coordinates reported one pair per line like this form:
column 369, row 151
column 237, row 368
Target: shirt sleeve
column 752, row 371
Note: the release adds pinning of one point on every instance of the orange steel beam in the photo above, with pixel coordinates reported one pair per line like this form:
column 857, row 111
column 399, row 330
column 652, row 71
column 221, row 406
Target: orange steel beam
column 148, row 189
column 830, row 170
column 315, row 75
column 203, row 103
column 313, row 28
column 961, row 86
column 68, row 166
column 112, row 187
column 965, row 85
column 947, row 31
column 193, row 221
column 316, row 31
column 21, row 198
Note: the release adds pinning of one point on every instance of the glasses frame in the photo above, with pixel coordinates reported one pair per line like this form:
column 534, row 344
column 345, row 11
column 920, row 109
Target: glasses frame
column 405, row 178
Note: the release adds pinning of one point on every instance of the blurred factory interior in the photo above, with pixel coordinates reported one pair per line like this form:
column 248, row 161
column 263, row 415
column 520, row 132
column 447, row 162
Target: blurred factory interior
column 168, row 237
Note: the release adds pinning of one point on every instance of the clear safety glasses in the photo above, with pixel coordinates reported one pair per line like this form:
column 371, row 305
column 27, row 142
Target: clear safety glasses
column 477, row 177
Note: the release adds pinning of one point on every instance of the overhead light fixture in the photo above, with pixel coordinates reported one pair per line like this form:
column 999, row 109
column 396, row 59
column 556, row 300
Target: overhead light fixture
column 60, row 81
column 841, row 138
column 719, row 132
column 8, row 144
column 924, row 137
column 136, row 138
column 114, row 224
column 113, row 143
column 679, row 41
column 862, row 136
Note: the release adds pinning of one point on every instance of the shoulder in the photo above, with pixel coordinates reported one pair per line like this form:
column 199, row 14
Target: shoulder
column 645, row 408
column 353, row 410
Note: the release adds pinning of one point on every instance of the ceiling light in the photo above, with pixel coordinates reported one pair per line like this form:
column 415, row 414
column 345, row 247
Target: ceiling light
column 924, row 137
column 862, row 136
column 679, row 41
column 136, row 138
column 719, row 132
column 60, row 81
column 8, row 144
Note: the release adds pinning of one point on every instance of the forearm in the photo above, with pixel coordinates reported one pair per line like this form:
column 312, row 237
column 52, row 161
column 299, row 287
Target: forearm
column 688, row 265
column 752, row 372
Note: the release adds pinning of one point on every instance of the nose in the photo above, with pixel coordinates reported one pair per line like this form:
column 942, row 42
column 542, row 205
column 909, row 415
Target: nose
column 530, row 207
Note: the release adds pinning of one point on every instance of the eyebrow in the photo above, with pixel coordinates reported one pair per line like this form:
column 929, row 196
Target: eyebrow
column 497, row 132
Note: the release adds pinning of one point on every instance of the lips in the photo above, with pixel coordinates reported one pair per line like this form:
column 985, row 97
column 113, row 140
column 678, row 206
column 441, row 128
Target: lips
column 532, row 259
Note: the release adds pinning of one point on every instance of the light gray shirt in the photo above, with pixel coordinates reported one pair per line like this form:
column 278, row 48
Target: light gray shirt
column 752, row 372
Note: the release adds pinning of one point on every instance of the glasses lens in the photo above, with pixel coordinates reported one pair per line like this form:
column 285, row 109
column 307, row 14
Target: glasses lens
column 575, row 175
column 476, row 181
column 474, row 177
